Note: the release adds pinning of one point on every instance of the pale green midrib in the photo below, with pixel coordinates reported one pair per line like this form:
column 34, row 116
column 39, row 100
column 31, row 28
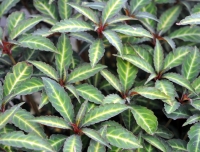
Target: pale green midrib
column 191, row 65
column 3, row 10
column 49, row 12
column 30, row 88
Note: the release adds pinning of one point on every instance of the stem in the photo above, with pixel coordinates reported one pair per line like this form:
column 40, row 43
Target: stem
column 12, row 59
column 168, row 122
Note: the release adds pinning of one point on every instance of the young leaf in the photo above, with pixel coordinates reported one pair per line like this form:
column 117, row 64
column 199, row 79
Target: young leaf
column 71, row 25
column 84, row 72
column 112, row 8
column 73, row 90
column 45, row 8
column 64, row 55
column 64, row 9
column 192, row 19
column 14, row 19
column 111, row 79
column 6, row 6
column 81, row 113
column 171, row 108
column 57, row 141
column 73, row 144
column 114, row 39
column 178, row 144
column 136, row 5
column 89, row 92
column 45, row 68
column 51, row 121
column 102, row 113
column 113, row 98
column 145, row 118
column 191, row 64
column 83, row 36
column 37, row 42
column 59, row 99
column 158, row 57
column 21, row 72
column 164, row 132
column 86, row 12
column 122, row 138
column 19, row 139
column 193, row 119
column 44, row 99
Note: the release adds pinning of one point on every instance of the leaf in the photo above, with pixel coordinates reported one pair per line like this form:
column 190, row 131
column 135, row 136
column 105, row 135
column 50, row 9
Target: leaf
column 81, row 113
column 128, row 119
column 136, row 5
column 96, row 52
column 114, row 39
column 90, row 14
column 6, row 6
column 193, row 119
column 52, row 121
column 19, row 139
column 44, row 99
column 71, row 25
column 196, row 85
column 194, row 135
column 122, row 138
column 192, row 19
column 178, row 145
column 21, row 120
column 112, row 8
column 59, row 99
column 179, row 79
column 164, row 132
column 73, row 144
column 57, row 141
column 37, row 42
column 168, row 18
column 8, row 114
column 191, row 64
column 45, row 8
column 95, row 5
column 89, row 92
column 175, row 58
column 64, row 55
column 171, row 108
column 21, row 72
column 83, row 36
column 145, row 118
column 170, row 42
column 64, row 9
column 84, row 72
column 14, row 19
column 73, row 90
column 45, row 68
column 158, row 57
column 111, row 79
column 132, row 31
column 119, row 18
column 146, row 15
column 95, row 136
column 138, row 62
column 113, row 98
column 102, row 113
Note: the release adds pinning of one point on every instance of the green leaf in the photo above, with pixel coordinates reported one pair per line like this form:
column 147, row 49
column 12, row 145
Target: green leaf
column 179, row 79
column 122, row 138
column 59, row 99
column 8, row 114
column 178, row 145
column 146, row 15
column 19, row 139
column 136, row 5
column 64, row 55
column 83, row 36
column 171, row 108
column 84, row 72
column 191, row 34
column 191, row 64
column 168, row 18
column 193, row 119
column 196, row 85
column 90, row 14
column 52, row 121
column 164, row 132
column 25, row 26
column 96, row 52
column 44, row 99
column 29, row 86
column 64, row 9
column 71, row 25
column 138, row 62
column 95, row 5
column 194, row 135
column 112, row 8
column 21, row 72
column 89, row 92
column 175, row 58
column 111, row 79
column 45, row 68
column 81, row 113
column 114, row 39
column 1, row 33
column 145, row 118
column 192, row 19
column 57, row 141
column 158, row 57
column 73, row 143
column 127, row 73
column 6, row 6
column 113, row 98
column 119, row 18
column 45, row 8
column 102, row 113
column 14, row 19
column 128, row 119
column 132, row 31
column 95, row 136
column 73, row 90
column 21, row 120
column 37, row 42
